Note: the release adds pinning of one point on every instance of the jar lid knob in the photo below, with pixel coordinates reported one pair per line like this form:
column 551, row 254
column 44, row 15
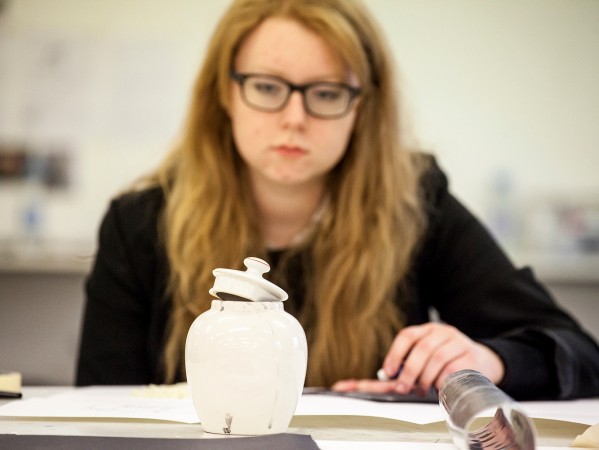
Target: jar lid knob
column 256, row 266
column 247, row 285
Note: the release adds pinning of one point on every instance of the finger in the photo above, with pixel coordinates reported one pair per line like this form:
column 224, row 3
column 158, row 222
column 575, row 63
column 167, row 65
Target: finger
column 375, row 386
column 345, row 385
column 419, row 357
column 448, row 352
column 365, row 385
column 463, row 361
column 401, row 346
column 478, row 357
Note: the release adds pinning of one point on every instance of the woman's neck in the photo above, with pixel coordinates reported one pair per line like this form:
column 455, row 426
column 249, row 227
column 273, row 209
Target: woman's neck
column 285, row 212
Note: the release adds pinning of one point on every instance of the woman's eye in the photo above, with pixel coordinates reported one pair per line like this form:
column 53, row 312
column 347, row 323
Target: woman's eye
column 267, row 88
column 327, row 94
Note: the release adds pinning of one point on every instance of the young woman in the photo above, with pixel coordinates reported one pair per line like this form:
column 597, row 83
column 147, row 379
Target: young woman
column 292, row 152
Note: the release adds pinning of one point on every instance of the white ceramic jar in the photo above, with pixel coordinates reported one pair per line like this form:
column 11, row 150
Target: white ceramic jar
column 246, row 357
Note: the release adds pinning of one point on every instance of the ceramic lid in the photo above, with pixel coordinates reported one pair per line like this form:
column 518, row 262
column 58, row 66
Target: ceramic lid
column 232, row 284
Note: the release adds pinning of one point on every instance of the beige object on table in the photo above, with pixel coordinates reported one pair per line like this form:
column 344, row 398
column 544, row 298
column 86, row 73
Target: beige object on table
column 588, row 439
column 10, row 382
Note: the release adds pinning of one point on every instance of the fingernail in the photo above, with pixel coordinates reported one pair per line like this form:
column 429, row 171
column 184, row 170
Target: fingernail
column 381, row 375
column 401, row 388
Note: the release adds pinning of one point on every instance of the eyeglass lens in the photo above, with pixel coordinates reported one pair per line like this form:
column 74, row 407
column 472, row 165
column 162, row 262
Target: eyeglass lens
column 321, row 99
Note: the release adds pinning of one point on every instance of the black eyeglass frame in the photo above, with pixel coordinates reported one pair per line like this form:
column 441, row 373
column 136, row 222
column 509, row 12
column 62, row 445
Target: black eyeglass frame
column 241, row 78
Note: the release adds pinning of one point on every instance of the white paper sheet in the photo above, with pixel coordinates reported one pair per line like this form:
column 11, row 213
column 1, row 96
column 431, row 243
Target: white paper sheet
column 103, row 402
column 585, row 411
column 420, row 413
column 120, row 402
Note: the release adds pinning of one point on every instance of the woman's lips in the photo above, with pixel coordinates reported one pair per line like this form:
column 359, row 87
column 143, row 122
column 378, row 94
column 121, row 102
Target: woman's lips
column 286, row 150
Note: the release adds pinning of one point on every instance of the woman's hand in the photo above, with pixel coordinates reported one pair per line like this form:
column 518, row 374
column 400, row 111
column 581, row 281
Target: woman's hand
column 427, row 354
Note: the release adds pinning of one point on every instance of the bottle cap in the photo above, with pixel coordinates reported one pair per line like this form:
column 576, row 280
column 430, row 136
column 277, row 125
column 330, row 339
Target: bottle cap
column 232, row 284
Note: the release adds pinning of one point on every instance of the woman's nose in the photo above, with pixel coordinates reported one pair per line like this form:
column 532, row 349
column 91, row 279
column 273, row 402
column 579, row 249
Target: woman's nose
column 294, row 113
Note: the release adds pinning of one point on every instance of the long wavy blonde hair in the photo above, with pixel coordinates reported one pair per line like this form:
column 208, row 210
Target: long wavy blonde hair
column 362, row 247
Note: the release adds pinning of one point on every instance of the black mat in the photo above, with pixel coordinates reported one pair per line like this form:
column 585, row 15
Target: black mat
column 271, row 442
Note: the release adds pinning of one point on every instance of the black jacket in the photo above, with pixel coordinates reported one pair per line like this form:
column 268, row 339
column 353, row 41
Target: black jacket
column 459, row 270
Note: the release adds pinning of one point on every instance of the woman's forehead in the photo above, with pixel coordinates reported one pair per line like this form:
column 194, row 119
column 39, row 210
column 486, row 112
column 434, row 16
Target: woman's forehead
column 285, row 47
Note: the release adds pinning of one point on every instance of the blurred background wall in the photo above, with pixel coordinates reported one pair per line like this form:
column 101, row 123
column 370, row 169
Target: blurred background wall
column 93, row 93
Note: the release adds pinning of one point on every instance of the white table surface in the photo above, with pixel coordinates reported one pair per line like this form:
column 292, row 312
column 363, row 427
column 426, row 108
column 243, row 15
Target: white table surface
column 331, row 432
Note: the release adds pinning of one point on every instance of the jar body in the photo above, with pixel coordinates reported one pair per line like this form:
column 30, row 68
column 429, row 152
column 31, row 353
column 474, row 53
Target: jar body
column 246, row 365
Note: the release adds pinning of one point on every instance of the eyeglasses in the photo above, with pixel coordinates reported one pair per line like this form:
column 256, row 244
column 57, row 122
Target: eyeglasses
column 323, row 99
